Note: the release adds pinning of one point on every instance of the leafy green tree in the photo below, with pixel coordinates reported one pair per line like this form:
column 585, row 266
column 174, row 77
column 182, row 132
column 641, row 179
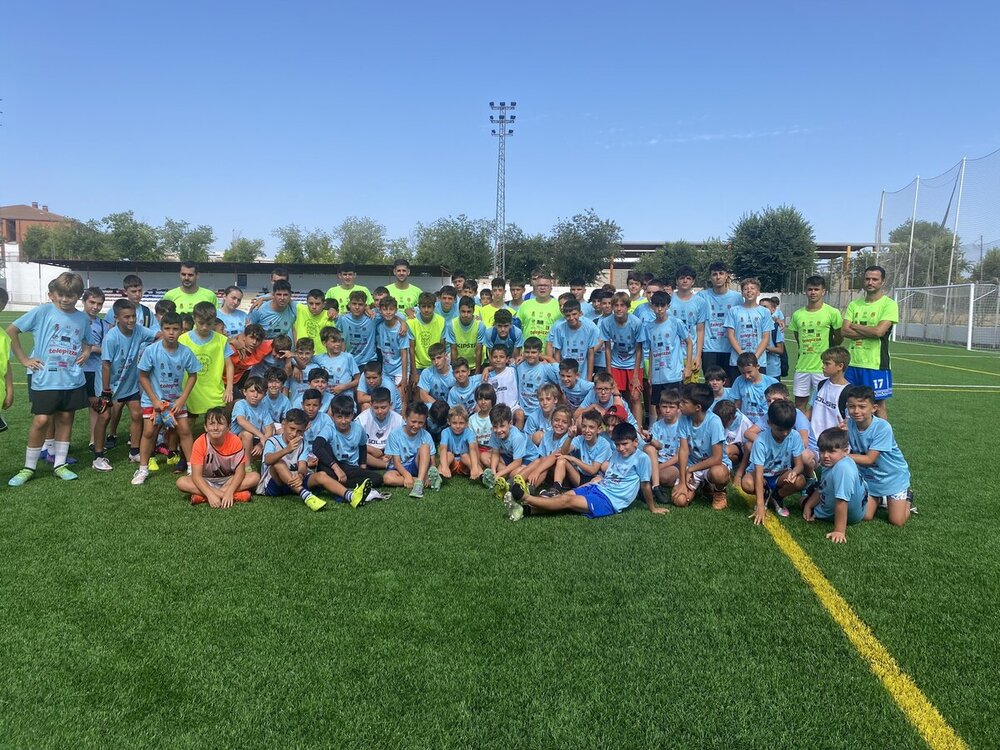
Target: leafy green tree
column 988, row 269
column 666, row 260
column 398, row 248
column 178, row 239
column 73, row 240
column 292, row 247
column 524, row 252
column 361, row 241
column 243, row 250
column 772, row 244
column 458, row 242
column 127, row 238
column 582, row 247
column 928, row 262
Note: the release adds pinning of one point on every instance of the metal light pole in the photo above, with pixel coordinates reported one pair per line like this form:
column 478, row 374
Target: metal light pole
column 504, row 128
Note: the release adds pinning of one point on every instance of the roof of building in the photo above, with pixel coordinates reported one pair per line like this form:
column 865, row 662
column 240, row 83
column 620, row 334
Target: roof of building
column 154, row 266
column 22, row 212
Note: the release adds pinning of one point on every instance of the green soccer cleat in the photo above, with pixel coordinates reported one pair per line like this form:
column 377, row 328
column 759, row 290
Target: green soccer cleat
column 520, row 488
column 434, row 478
column 64, row 472
column 515, row 511
column 501, row 488
column 359, row 493
column 314, row 503
column 489, row 479
column 418, row 489
column 21, row 477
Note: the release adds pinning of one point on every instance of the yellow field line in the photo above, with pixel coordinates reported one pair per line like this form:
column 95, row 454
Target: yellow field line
column 937, row 733
column 950, row 367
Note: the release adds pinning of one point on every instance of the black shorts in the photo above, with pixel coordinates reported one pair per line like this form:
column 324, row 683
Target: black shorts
column 658, row 388
column 91, row 382
column 50, row 402
column 128, row 399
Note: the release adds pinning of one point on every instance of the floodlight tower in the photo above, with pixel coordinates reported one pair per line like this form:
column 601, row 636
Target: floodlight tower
column 504, row 128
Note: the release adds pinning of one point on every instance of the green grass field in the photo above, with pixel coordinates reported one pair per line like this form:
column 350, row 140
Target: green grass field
column 130, row 618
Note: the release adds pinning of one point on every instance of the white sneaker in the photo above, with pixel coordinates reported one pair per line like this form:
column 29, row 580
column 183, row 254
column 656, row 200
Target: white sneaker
column 101, row 464
column 140, row 476
column 133, row 457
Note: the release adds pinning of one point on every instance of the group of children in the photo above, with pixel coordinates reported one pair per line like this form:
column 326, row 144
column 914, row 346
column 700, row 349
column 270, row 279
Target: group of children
column 543, row 400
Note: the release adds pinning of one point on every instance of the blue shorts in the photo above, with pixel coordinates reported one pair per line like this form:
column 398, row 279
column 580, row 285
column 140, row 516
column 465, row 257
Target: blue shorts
column 597, row 501
column 771, row 483
column 411, row 466
column 879, row 381
column 277, row 488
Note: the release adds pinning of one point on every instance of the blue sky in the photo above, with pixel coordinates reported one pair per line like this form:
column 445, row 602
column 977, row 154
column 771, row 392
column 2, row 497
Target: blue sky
column 672, row 119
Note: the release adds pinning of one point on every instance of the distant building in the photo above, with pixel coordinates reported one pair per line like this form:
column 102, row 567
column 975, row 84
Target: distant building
column 15, row 221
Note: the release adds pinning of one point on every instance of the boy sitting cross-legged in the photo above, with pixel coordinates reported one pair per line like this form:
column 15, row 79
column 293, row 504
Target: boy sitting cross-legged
column 218, row 464
column 379, row 421
column 841, row 493
column 343, row 453
column 702, row 451
column 626, row 473
column 775, row 462
column 284, row 470
column 459, row 451
column 510, row 449
column 251, row 422
column 409, row 451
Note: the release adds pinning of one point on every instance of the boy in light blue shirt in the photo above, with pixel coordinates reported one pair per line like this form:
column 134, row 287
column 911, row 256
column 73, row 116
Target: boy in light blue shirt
column 343, row 452
column 665, row 437
column 748, row 389
column 436, row 380
column 774, row 470
column 510, row 449
column 277, row 315
column 720, row 299
column 340, row 365
column 879, row 459
column 374, row 378
column 277, row 402
column 748, row 327
column 574, row 337
column 410, row 451
column 842, row 494
column 320, row 423
column 318, row 380
column 625, row 475
column 358, row 329
column 625, row 340
column 532, row 374
column 505, row 334
column 587, row 453
column 701, row 452
column 393, row 337
column 463, row 393
column 574, row 388
column 670, row 358
column 251, row 419
column 459, row 451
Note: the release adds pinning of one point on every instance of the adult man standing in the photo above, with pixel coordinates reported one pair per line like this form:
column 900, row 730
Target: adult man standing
column 720, row 298
column 538, row 314
column 346, row 274
column 189, row 294
column 868, row 324
column 816, row 328
column 401, row 290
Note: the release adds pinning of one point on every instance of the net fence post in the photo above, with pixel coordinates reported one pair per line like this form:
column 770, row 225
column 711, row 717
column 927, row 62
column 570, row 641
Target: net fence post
column 913, row 226
column 972, row 310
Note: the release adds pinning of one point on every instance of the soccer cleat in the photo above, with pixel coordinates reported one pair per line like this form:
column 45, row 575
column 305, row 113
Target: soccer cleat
column 659, row 497
column 314, row 503
column 434, row 478
column 359, row 493
column 173, row 459
column 243, row 496
column 520, row 487
column 489, row 479
column 110, row 442
column 101, row 464
column 198, row 499
column 501, row 487
column 140, row 476
column 153, row 465
column 21, row 477
column 63, row 472
column 720, row 501
column 778, row 503
column 418, row 489
column 515, row 511
column 134, row 458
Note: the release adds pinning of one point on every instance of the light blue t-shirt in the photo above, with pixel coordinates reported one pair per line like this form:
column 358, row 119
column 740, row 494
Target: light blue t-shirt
column 668, row 436
column 719, row 306
column 535, row 421
column 574, row 343
column 550, row 444
column 773, row 360
column 514, row 340
column 259, row 416
column 341, row 368
column 623, row 478
column 321, row 426
column 274, row 322
column 532, row 377
column 143, row 317
column 359, row 335
column 842, row 482
column 575, row 395
column 234, row 322
column 751, row 396
column 324, row 404
column 690, row 312
column 667, row 350
column 597, row 453
column 123, row 352
column 276, row 407
column 749, row 324
column 166, row 371
column 890, row 474
column 465, row 395
column 389, row 385
column 515, row 446
column 459, row 444
column 591, row 400
column 390, row 342
column 625, row 340
column 347, row 446
column 448, row 316
column 99, row 328
column 436, row 383
column 600, row 359
column 703, row 438
column 405, row 446
column 801, row 424
column 59, row 339
column 775, row 457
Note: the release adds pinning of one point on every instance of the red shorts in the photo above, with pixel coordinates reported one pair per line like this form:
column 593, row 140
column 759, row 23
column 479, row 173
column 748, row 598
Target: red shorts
column 484, row 450
column 148, row 413
column 625, row 378
column 459, row 469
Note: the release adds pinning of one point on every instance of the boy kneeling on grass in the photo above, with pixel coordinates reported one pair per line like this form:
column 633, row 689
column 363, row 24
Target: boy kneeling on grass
column 218, row 464
column 775, row 467
column 841, row 494
column 626, row 473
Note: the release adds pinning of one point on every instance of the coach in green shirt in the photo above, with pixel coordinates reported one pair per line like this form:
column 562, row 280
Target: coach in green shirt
column 189, row 294
column 868, row 324
column 816, row 328
column 539, row 314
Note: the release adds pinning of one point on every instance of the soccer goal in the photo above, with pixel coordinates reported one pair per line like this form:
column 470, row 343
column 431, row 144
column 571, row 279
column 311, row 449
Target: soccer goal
column 965, row 315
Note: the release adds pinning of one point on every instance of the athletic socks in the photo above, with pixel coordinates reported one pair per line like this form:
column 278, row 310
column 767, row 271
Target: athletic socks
column 61, row 451
column 47, row 445
column 31, row 458
column 305, row 493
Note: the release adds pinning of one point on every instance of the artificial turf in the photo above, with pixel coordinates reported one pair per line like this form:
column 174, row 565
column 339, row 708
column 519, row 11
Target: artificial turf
column 131, row 618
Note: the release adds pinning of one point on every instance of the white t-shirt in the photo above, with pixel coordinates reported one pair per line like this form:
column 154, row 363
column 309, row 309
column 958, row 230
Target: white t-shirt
column 825, row 411
column 378, row 432
column 482, row 427
column 505, row 384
